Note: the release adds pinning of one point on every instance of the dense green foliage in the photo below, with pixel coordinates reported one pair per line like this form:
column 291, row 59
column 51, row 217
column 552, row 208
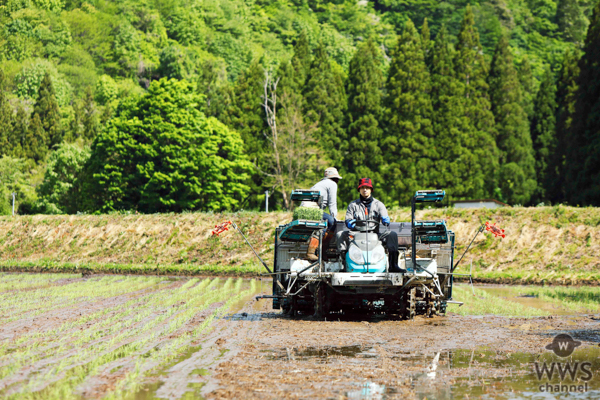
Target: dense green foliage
column 517, row 173
column 584, row 135
column 527, row 87
column 326, row 104
column 543, row 134
column 46, row 108
column 466, row 104
column 571, row 20
column 566, row 91
column 407, row 142
column 453, row 157
column 59, row 193
column 472, row 70
column 246, row 116
column 160, row 153
column 15, row 179
column 364, row 135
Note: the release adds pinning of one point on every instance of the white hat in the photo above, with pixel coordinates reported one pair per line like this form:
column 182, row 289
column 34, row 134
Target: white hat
column 332, row 173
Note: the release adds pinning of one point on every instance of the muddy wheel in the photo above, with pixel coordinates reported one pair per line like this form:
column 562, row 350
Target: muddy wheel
column 443, row 305
column 432, row 309
column 409, row 304
column 286, row 306
column 321, row 301
column 442, row 301
column 294, row 307
column 432, row 305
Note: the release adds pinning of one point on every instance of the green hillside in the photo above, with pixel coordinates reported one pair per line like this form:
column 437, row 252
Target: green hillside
column 127, row 39
column 440, row 93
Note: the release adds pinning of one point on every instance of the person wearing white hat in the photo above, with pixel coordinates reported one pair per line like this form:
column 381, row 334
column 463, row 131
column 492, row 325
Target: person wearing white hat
column 328, row 189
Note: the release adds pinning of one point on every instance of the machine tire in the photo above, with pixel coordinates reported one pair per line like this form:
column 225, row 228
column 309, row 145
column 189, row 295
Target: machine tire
column 286, row 306
column 294, row 308
column 321, row 301
column 409, row 304
column 443, row 306
column 432, row 305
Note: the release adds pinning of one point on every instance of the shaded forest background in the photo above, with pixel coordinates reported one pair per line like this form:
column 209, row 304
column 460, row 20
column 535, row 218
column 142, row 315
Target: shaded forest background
column 173, row 105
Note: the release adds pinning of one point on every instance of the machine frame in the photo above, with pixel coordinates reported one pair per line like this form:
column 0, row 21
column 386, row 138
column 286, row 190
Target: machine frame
column 322, row 288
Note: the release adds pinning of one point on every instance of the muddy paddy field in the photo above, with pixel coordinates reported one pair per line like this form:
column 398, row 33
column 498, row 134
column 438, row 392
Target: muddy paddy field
column 110, row 336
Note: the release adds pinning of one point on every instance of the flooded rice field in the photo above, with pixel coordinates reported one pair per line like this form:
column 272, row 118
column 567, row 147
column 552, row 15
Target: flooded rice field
column 74, row 337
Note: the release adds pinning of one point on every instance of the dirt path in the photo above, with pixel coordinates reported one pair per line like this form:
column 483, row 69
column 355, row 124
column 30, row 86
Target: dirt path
column 278, row 357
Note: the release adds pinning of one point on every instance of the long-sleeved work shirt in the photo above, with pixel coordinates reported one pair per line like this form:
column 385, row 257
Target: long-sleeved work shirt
column 328, row 190
column 357, row 211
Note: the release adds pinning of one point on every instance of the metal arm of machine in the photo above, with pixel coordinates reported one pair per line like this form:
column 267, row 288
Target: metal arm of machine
column 254, row 251
column 413, row 235
column 496, row 231
column 223, row 227
column 481, row 228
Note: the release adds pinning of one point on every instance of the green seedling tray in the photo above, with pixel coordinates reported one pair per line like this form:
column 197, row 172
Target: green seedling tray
column 300, row 230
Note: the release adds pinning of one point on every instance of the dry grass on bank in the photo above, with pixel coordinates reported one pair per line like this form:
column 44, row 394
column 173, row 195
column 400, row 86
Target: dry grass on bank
column 560, row 240
column 551, row 243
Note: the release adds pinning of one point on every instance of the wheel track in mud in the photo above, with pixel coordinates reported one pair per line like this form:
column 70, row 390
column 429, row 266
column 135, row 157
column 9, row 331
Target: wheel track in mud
column 288, row 358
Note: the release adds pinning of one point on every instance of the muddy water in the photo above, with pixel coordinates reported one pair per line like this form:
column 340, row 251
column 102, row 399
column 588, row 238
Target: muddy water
column 453, row 357
column 255, row 352
column 516, row 375
column 458, row 373
column 447, row 357
column 517, row 295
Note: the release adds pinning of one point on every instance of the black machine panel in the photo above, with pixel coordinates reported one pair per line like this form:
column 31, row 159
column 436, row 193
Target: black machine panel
column 401, row 228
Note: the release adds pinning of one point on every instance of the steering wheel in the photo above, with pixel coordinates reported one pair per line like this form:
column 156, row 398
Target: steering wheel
column 366, row 225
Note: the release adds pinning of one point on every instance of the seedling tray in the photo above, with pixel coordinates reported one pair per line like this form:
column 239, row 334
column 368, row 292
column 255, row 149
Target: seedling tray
column 300, row 230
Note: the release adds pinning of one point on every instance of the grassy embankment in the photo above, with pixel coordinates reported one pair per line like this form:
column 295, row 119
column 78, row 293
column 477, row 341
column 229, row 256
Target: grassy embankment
column 558, row 245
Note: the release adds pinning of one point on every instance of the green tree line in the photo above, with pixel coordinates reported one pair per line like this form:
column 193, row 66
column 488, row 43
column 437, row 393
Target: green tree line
column 161, row 106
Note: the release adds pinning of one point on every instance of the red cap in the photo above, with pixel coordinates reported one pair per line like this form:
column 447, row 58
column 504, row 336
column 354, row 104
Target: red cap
column 365, row 182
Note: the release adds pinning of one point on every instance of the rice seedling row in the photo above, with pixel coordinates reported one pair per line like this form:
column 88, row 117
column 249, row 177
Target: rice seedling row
column 31, row 281
column 579, row 299
column 86, row 328
column 480, row 302
column 107, row 340
column 36, row 302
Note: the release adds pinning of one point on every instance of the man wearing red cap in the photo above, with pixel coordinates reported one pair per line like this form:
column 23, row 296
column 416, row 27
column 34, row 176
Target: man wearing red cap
column 368, row 207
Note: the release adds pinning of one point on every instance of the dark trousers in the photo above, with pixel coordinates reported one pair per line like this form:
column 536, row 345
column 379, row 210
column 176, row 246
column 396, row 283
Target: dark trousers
column 330, row 222
column 388, row 238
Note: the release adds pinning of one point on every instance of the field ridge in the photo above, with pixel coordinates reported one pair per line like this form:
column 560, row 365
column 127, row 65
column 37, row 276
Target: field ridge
column 557, row 244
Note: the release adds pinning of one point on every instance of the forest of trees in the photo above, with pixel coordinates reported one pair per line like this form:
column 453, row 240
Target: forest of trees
column 173, row 105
